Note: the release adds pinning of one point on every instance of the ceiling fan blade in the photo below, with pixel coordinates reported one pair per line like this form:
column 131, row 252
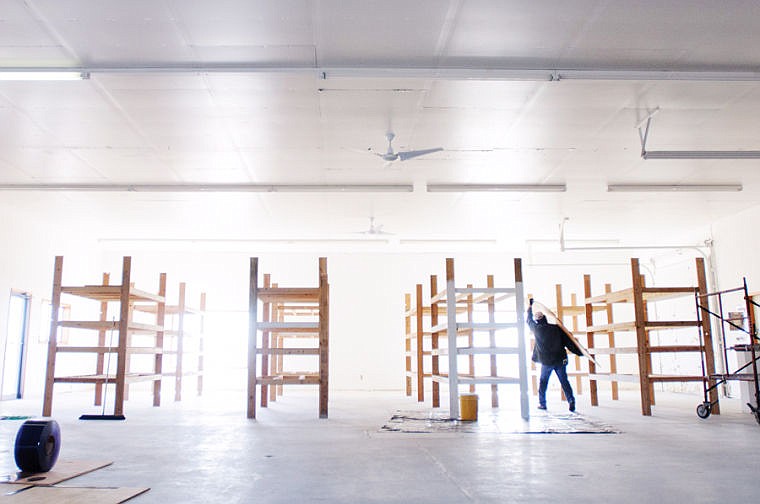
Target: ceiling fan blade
column 403, row 156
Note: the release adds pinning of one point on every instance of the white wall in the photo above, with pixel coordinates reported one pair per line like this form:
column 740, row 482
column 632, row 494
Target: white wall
column 367, row 287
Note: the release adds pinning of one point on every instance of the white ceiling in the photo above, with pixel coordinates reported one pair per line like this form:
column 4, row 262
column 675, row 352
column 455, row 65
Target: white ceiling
column 296, row 91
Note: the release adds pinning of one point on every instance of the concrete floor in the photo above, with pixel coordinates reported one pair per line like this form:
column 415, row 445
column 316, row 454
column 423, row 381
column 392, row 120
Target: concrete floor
column 205, row 450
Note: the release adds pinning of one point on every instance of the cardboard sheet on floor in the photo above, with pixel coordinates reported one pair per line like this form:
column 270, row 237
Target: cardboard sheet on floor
column 71, row 495
column 430, row 422
column 12, row 488
column 62, row 471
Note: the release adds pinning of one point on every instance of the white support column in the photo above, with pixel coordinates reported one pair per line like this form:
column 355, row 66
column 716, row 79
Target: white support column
column 451, row 332
column 522, row 354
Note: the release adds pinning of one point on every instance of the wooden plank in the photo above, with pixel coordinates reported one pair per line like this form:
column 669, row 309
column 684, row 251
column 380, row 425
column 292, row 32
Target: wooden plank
column 484, row 351
column 470, row 337
column 289, row 294
column 488, row 380
column 611, row 343
column 641, row 338
column 651, row 294
column 74, row 495
column 64, row 470
column 677, row 378
column 290, row 380
column 288, row 351
column 435, row 362
column 104, row 350
column 451, row 335
column 324, row 338
column 613, row 327
column 419, row 342
column 709, row 353
column 100, row 360
column 252, row 332
column 620, row 296
column 159, row 341
column 124, row 316
column 294, row 327
column 110, row 293
column 95, row 379
column 491, row 303
column 613, row 351
column 201, row 349
column 593, row 390
column 617, row 377
column 675, row 348
column 55, row 302
column 408, row 314
column 266, row 317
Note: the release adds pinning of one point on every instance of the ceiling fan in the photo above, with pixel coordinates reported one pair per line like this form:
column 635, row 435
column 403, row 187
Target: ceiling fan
column 374, row 229
column 390, row 155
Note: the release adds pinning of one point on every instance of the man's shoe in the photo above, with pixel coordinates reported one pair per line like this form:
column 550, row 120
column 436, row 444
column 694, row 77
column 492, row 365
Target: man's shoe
column 541, row 406
column 572, row 406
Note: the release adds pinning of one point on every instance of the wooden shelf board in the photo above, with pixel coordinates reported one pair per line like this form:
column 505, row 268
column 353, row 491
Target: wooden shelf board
column 95, row 379
column 111, row 293
column 288, row 380
column 288, row 351
column 288, row 294
column 675, row 378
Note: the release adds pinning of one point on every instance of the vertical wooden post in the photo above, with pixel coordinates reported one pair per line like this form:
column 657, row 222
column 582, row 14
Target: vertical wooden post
column 420, row 355
column 650, row 367
column 158, row 358
column 492, row 342
column 266, row 310
column 55, row 302
column 641, row 338
column 533, row 380
column 324, row 340
column 276, row 390
column 578, row 362
column 592, row 387
column 100, row 359
column 408, row 343
column 707, row 336
column 435, row 362
column 470, row 338
column 611, row 344
column 560, row 316
column 201, row 331
column 451, row 333
column 179, row 368
column 121, row 351
column 252, row 330
column 521, row 355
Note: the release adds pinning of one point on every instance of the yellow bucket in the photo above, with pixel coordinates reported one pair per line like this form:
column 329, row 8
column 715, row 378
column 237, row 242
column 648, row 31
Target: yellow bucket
column 468, row 407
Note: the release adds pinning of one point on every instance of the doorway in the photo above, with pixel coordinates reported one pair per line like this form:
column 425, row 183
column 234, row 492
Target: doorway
column 14, row 352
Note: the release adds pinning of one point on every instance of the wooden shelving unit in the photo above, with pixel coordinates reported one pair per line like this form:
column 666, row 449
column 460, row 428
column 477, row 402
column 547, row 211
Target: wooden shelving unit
column 113, row 336
column 183, row 339
column 457, row 335
column 641, row 297
column 415, row 354
column 283, row 312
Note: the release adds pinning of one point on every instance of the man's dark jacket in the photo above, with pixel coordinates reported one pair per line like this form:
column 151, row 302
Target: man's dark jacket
column 551, row 342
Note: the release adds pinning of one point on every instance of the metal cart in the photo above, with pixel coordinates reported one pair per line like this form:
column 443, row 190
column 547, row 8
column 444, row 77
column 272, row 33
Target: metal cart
column 742, row 373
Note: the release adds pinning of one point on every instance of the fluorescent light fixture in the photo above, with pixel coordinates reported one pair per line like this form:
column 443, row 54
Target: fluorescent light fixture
column 748, row 154
column 674, row 187
column 210, row 188
column 39, row 75
column 496, row 188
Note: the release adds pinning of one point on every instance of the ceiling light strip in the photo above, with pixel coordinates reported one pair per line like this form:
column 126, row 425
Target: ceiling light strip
column 674, row 187
column 42, row 75
column 211, row 188
column 496, row 188
column 428, row 73
column 748, row 154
